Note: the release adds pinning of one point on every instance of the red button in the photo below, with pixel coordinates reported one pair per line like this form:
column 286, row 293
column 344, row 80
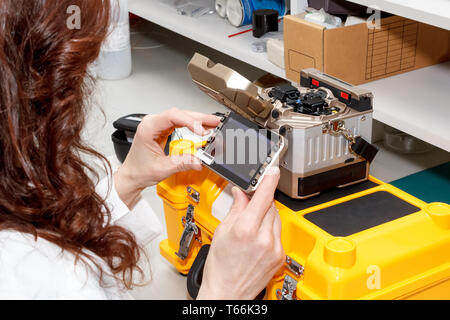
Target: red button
column 315, row 82
column 344, row 95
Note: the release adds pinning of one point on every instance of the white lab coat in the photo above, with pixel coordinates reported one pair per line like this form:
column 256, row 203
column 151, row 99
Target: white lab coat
column 39, row 269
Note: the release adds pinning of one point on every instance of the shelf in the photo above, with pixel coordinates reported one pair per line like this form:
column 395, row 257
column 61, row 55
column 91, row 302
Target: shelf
column 434, row 12
column 416, row 102
column 209, row 30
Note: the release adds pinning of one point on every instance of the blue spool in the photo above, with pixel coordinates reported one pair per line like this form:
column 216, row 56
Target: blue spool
column 248, row 6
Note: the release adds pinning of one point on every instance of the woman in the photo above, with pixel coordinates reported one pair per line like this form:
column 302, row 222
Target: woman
column 63, row 236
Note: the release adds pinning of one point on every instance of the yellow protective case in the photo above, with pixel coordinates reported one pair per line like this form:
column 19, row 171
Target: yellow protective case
column 406, row 258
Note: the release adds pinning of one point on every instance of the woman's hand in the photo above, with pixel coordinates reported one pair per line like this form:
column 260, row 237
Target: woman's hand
column 246, row 250
column 146, row 163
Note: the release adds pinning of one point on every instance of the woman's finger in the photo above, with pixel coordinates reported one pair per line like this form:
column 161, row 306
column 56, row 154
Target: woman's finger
column 159, row 127
column 199, row 127
column 155, row 125
column 207, row 120
column 277, row 228
column 239, row 204
column 263, row 196
column 278, row 247
column 179, row 163
column 175, row 118
column 266, row 226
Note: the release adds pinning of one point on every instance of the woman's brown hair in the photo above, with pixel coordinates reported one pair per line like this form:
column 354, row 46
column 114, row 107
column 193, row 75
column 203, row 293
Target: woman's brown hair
column 45, row 188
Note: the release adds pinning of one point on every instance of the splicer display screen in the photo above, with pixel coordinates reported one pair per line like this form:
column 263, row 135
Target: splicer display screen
column 241, row 149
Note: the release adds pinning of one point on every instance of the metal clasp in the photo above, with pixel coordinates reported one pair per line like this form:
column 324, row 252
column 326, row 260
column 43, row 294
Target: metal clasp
column 193, row 194
column 294, row 266
column 190, row 229
column 338, row 128
column 289, row 287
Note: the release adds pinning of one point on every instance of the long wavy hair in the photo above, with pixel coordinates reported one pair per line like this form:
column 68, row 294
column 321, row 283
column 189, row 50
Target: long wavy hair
column 46, row 188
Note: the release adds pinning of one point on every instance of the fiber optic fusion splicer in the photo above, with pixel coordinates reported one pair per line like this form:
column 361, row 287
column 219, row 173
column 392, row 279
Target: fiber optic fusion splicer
column 346, row 234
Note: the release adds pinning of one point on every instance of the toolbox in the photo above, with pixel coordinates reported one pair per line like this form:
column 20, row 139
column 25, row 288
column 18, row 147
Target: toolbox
column 367, row 241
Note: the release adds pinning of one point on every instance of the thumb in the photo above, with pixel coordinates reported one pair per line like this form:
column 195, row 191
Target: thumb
column 180, row 163
column 240, row 201
column 263, row 198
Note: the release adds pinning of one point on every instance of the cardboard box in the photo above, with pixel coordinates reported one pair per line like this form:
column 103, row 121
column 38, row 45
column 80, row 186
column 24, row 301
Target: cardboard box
column 358, row 54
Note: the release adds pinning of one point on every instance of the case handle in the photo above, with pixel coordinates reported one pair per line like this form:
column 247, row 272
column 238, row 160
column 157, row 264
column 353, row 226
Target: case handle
column 195, row 275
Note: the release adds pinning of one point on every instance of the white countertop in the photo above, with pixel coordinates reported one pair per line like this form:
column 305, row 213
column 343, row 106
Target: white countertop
column 160, row 81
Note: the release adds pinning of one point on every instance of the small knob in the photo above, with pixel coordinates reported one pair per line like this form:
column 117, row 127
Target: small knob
column 275, row 114
column 440, row 213
column 340, row 252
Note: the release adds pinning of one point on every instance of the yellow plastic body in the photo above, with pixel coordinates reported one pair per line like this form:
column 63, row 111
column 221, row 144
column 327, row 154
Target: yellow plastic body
column 407, row 258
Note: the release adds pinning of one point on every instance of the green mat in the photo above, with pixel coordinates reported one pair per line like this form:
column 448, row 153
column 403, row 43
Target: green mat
column 431, row 185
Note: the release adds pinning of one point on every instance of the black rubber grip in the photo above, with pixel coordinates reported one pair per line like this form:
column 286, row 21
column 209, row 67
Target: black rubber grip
column 364, row 149
column 195, row 275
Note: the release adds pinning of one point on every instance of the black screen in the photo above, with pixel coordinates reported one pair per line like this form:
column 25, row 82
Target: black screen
column 240, row 149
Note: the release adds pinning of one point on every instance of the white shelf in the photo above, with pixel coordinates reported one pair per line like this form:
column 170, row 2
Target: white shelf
column 434, row 12
column 417, row 103
column 298, row 6
column 209, row 30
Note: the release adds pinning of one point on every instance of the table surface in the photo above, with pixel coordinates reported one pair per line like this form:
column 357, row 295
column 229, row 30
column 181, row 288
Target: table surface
column 160, row 81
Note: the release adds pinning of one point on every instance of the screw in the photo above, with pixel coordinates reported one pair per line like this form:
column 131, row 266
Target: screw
column 275, row 114
column 279, row 295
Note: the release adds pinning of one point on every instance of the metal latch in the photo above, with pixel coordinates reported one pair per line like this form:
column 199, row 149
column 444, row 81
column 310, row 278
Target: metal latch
column 289, row 287
column 193, row 194
column 338, row 128
column 294, row 266
column 190, row 229
column 356, row 144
